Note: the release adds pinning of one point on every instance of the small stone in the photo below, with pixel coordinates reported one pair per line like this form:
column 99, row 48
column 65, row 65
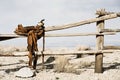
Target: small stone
column 24, row 73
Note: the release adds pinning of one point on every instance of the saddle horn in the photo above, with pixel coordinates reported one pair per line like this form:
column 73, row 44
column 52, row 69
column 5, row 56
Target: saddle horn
column 41, row 23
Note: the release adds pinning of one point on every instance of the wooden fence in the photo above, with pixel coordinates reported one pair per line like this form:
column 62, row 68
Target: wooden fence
column 101, row 31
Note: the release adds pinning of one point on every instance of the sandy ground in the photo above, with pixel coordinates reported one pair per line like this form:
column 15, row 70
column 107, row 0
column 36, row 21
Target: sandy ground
column 9, row 65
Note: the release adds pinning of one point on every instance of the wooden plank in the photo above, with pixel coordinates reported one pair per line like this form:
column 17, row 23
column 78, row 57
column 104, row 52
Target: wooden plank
column 12, row 36
column 46, row 53
column 8, row 36
column 109, row 30
column 78, row 34
column 22, row 54
column 71, row 25
column 79, row 52
column 2, row 55
column 112, row 47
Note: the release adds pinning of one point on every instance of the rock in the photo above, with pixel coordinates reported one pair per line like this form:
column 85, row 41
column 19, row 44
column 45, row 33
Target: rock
column 24, row 73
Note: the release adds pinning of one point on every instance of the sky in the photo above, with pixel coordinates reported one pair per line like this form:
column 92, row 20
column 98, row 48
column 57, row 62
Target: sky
column 55, row 12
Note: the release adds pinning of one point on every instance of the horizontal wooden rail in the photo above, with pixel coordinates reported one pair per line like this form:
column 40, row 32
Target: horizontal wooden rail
column 112, row 47
column 7, row 36
column 2, row 55
column 106, row 17
column 10, row 35
column 78, row 34
column 20, row 54
column 80, row 52
column 110, row 30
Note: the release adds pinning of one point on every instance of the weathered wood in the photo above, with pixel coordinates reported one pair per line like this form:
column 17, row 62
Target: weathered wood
column 100, row 38
column 43, row 49
column 46, row 53
column 80, row 52
column 99, row 46
column 12, row 36
column 9, row 36
column 99, row 63
column 9, row 55
column 106, row 17
column 109, row 30
column 112, row 47
column 6, row 38
column 78, row 34
column 103, row 12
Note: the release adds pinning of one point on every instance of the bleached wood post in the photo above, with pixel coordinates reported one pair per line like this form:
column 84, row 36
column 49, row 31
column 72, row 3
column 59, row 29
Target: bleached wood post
column 99, row 46
column 42, row 53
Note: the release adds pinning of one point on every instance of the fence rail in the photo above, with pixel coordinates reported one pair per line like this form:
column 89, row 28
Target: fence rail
column 3, row 36
column 105, row 17
column 47, row 53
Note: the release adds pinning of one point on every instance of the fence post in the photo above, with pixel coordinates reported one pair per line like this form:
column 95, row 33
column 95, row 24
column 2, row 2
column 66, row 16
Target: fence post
column 99, row 46
column 42, row 52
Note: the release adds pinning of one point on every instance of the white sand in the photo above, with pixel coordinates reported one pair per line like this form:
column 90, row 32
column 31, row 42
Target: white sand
column 9, row 65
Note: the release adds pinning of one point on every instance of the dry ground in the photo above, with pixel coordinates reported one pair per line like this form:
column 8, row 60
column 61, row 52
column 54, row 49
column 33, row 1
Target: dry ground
column 66, row 68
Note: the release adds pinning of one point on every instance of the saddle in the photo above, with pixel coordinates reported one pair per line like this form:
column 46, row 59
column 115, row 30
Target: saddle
column 33, row 33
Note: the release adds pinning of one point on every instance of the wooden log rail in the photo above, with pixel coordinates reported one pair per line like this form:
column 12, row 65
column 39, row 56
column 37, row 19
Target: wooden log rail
column 106, row 17
column 59, row 35
column 109, row 30
column 46, row 53
column 9, row 36
column 78, row 34
column 111, row 47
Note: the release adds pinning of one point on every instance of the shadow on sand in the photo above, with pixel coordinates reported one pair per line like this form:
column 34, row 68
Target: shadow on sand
column 112, row 66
